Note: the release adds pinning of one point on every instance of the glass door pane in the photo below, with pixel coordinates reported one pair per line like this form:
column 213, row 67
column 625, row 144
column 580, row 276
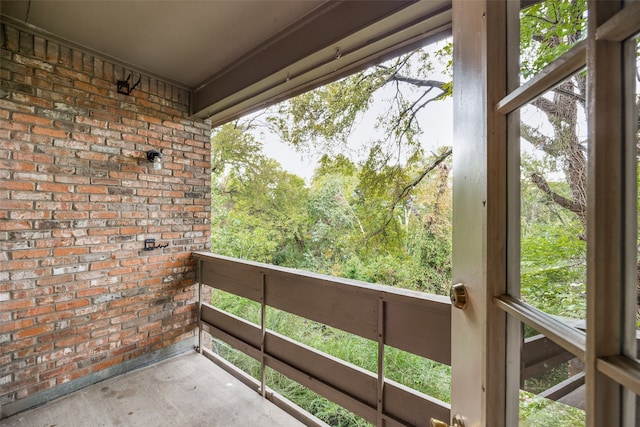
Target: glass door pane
column 553, row 169
column 552, row 390
column 548, row 29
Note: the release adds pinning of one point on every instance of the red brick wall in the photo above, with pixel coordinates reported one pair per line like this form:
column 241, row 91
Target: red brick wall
column 77, row 199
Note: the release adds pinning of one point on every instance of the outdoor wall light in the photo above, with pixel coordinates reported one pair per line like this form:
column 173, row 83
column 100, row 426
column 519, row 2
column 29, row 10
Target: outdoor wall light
column 124, row 87
column 155, row 157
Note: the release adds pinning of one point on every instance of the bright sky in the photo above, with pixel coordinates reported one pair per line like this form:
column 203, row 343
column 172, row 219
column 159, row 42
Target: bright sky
column 436, row 120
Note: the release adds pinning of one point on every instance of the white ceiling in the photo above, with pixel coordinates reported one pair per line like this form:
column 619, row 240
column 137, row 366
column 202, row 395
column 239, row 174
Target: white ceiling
column 235, row 56
column 183, row 41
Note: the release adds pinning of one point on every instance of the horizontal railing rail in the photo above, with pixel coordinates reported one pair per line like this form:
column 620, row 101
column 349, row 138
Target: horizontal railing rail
column 411, row 321
column 414, row 322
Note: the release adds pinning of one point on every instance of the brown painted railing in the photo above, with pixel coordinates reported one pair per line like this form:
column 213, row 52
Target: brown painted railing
column 410, row 321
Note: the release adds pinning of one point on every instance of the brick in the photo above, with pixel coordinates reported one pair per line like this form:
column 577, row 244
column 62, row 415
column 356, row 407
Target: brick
column 77, row 198
column 55, row 188
column 18, row 265
column 66, row 215
column 79, row 373
column 13, row 125
column 70, row 305
column 58, row 252
column 33, row 157
column 30, row 195
column 31, row 254
column 117, row 339
column 55, row 335
column 103, row 265
column 184, row 309
column 14, row 225
column 17, row 185
column 120, row 319
column 54, row 133
column 31, row 100
column 34, row 311
column 32, row 119
column 52, row 51
column 57, row 371
column 76, row 60
column 90, row 189
column 73, row 340
column 14, row 326
column 39, row 47
column 32, row 332
column 31, row 176
column 121, row 271
column 106, row 364
column 53, row 243
column 70, row 269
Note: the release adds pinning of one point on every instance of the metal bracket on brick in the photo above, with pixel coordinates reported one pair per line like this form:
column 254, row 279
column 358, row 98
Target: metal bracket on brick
column 150, row 245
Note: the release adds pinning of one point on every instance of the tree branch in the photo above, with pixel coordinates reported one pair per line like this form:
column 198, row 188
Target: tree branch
column 538, row 140
column 418, row 82
column 415, row 112
column 569, row 204
column 548, row 107
column 407, row 189
column 576, row 96
column 353, row 213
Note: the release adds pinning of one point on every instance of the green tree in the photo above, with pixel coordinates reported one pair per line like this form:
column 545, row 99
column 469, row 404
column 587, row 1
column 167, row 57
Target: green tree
column 375, row 210
column 387, row 219
column 259, row 210
column 549, row 29
column 324, row 120
column 333, row 222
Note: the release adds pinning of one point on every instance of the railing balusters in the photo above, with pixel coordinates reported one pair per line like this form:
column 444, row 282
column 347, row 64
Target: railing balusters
column 263, row 310
column 200, row 331
column 381, row 341
column 414, row 322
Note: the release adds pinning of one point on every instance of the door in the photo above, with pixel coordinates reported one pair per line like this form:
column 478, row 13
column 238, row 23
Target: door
column 507, row 333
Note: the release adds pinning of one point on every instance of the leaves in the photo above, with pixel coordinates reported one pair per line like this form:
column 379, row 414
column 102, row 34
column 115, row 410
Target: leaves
column 348, row 221
column 325, row 117
column 548, row 29
column 252, row 213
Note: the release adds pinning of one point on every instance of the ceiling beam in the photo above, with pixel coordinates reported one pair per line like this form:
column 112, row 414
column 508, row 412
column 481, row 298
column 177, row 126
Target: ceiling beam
column 337, row 35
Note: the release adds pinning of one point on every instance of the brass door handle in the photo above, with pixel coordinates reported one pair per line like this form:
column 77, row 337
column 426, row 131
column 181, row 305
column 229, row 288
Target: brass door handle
column 457, row 422
column 458, row 295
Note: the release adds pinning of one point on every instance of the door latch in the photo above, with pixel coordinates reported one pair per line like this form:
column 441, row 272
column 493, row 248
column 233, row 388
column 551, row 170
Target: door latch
column 458, row 295
column 457, row 422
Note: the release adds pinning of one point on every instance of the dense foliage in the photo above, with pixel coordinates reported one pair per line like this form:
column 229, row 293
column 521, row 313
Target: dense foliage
column 337, row 224
column 385, row 217
column 370, row 221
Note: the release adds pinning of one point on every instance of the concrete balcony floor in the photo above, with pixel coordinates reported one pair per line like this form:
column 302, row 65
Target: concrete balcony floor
column 186, row 390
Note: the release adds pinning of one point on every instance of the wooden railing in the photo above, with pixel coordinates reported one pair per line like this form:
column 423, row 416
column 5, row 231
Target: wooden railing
column 410, row 321
column 415, row 322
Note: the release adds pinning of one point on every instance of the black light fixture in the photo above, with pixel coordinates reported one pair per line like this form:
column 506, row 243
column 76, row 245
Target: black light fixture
column 155, row 158
column 124, row 87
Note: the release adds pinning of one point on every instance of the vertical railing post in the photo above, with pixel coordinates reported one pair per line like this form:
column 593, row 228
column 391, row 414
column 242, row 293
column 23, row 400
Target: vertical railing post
column 381, row 339
column 199, row 279
column 263, row 309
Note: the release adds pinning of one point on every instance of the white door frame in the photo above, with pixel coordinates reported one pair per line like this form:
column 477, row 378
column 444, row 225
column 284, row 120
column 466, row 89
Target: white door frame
column 486, row 334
